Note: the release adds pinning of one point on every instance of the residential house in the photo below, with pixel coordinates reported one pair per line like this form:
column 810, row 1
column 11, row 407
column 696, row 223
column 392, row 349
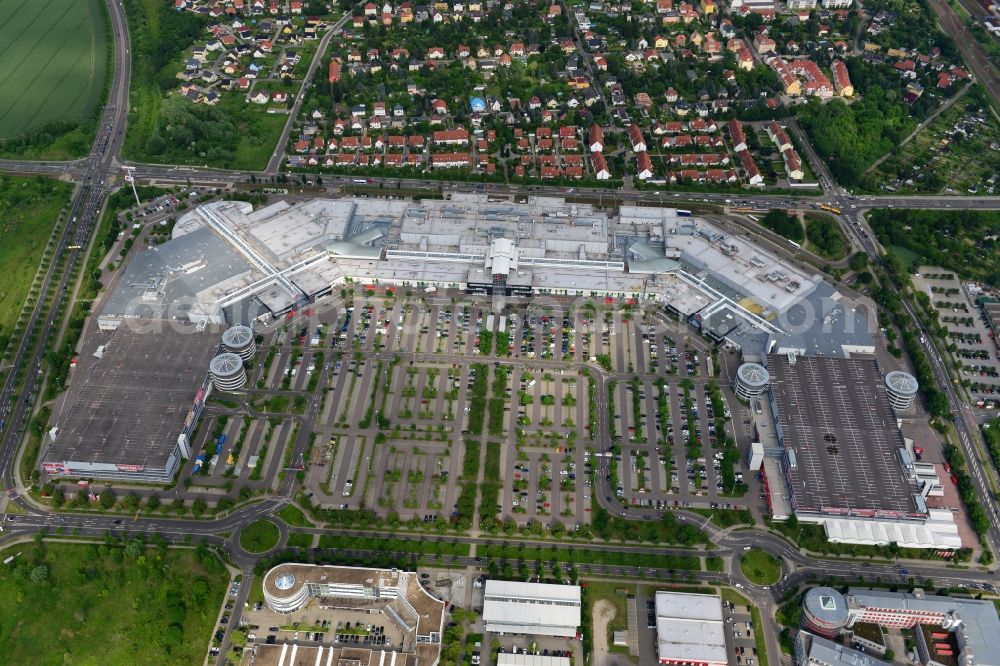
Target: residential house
column 841, row 79
column 737, row 136
column 596, row 139
column 636, row 138
column 644, row 166
column 750, row 167
column 778, row 136
column 600, row 166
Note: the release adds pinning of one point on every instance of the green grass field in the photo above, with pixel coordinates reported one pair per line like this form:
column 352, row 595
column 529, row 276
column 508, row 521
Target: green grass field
column 28, row 211
column 95, row 605
column 293, row 515
column 53, row 58
column 259, row 536
column 760, row 567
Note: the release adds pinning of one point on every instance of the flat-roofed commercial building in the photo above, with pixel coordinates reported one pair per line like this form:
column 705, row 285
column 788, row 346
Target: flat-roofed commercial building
column 395, row 596
column 690, row 629
column 844, row 462
column 818, row 651
column 969, row 628
column 226, row 256
column 524, row 659
column 538, row 609
column 134, row 401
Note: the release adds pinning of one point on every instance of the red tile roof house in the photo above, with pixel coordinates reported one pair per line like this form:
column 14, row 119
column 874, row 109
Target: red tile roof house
column 750, row 167
column 596, row 139
column 841, row 78
column 736, row 134
column 702, row 125
column 644, row 166
column 677, row 141
column 635, row 136
column 600, row 166
column 445, row 160
column 793, row 165
column 455, row 137
column 779, row 136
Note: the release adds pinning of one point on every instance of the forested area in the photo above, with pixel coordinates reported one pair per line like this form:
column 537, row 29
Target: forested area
column 825, row 236
column 168, row 128
column 964, row 241
column 783, row 224
column 850, row 137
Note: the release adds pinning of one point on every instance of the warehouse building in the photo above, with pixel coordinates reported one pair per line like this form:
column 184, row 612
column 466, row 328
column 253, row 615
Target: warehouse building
column 690, row 629
column 536, row 609
column 525, row 659
column 133, row 404
column 842, row 460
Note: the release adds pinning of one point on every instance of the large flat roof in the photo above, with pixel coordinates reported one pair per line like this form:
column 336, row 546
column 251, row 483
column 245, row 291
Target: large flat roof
column 689, row 628
column 128, row 406
column 559, row 245
column 744, row 267
column 979, row 617
column 835, row 420
column 826, row 324
column 821, row 650
column 525, row 659
column 291, row 654
column 540, row 608
column 173, row 279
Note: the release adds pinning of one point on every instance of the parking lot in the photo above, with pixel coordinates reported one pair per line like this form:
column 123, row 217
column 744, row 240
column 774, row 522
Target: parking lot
column 397, row 389
column 975, row 351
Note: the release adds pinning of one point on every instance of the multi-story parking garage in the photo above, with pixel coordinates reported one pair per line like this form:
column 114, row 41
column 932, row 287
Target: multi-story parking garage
column 842, row 460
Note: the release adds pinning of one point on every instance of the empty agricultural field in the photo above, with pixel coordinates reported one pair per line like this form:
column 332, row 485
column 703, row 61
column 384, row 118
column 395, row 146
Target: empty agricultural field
column 29, row 208
column 53, row 66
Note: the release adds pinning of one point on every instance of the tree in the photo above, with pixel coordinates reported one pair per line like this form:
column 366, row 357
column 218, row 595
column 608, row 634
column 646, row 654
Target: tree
column 131, row 502
column 859, row 261
column 199, row 507
column 783, row 224
column 108, row 498
column 153, row 503
column 39, row 574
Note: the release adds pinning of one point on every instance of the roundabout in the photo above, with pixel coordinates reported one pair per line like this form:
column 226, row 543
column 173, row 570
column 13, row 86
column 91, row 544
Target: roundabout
column 760, row 567
column 259, row 536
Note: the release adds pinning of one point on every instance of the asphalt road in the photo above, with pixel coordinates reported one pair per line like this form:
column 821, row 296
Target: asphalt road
column 274, row 164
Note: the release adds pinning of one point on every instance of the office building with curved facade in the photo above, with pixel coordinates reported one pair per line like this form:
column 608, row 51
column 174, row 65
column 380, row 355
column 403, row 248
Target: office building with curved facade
column 396, row 598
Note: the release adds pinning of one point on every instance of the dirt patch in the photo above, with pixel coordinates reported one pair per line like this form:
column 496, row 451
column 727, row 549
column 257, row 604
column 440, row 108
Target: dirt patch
column 604, row 613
